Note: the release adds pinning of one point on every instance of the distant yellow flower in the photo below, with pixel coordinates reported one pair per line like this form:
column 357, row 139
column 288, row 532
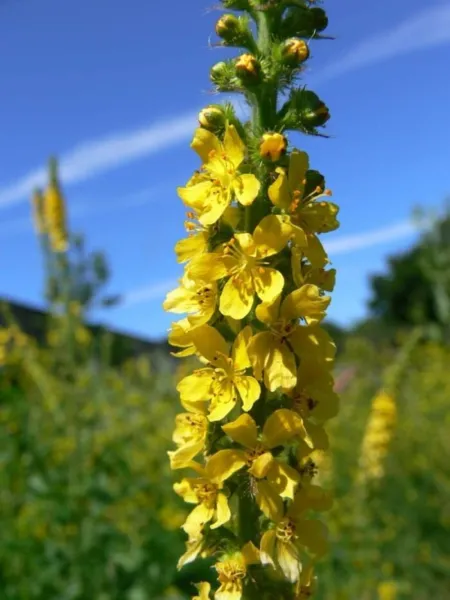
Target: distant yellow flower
column 272, row 146
column 220, row 182
column 274, row 479
column 189, row 435
column 224, row 380
column 377, row 437
column 206, row 492
column 244, row 261
column 308, row 216
column 54, row 210
column 281, row 546
column 272, row 352
column 37, row 201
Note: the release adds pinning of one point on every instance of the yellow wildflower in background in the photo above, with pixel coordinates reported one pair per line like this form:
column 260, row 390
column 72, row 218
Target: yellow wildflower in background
column 377, row 437
column 55, row 212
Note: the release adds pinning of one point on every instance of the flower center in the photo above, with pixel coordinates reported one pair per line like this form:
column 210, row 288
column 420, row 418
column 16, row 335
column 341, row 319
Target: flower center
column 303, row 404
column 206, row 493
column 205, row 295
column 231, row 571
column 286, row 530
column 254, row 453
column 196, row 425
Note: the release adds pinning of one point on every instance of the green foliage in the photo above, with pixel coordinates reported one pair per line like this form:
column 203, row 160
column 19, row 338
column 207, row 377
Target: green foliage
column 416, row 288
column 393, row 538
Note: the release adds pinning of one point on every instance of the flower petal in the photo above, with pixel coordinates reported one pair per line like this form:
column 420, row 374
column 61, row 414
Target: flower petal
column 207, row 268
column 249, row 390
column 237, row 295
column 314, row 535
column 259, row 349
column 314, row 346
column 268, row 313
column 209, row 343
column 243, row 431
column 298, row 166
column 306, row 302
column 233, row 146
column 261, row 465
column 251, row 554
column 223, row 513
column 195, row 521
column 281, row 369
column 268, row 283
column 246, row 187
column 269, row 501
column 180, row 458
column 224, row 464
column 283, row 478
column 279, row 192
column 272, row 234
column 239, row 353
column 283, row 426
column 205, row 143
column 191, row 246
column 315, row 252
column 267, row 547
column 196, row 387
column 195, row 196
column 288, row 559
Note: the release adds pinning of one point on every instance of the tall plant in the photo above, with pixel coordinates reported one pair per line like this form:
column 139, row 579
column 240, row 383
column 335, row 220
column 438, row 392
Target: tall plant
column 254, row 291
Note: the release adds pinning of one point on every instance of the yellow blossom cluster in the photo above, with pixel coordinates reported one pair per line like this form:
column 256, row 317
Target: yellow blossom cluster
column 252, row 297
column 255, row 410
column 377, row 437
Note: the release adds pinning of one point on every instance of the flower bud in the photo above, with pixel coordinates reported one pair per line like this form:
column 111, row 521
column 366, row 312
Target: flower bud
column 212, row 118
column 273, row 145
column 314, row 112
column 227, row 27
column 295, row 52
column 236, row 4
column 218, row 71
column 247, row 68
column 319, row 18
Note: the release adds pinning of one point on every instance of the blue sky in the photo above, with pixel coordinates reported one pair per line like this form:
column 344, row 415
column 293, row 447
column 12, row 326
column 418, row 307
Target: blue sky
column 113, row 88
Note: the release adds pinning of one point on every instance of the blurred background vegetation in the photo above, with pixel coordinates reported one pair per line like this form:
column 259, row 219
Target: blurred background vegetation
column 87, row 510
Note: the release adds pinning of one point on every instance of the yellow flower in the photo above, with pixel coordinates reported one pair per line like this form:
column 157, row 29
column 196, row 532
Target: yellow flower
column 232, row 572
column 37, row 201
column 281, row 547
column 180, row 337
column 272, row 146
column 54, row 211
column 204, row 589
column 275, row 479
column 224, row 381
column 246, row 64
column 272, row 352
column 194, row 549
column 189, row 435
column 308, row 216
column 244, row 261
column 193, row 297
column 206, row 492
column 377, row 437
column 315, row 400
column 220, row 182
column 195, row 244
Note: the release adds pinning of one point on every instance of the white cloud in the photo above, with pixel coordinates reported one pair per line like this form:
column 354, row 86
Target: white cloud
column 152, row 291
column 347, row 243
column 88, row 208
column 99, row 156
column 427, row 28
column 340, row 245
